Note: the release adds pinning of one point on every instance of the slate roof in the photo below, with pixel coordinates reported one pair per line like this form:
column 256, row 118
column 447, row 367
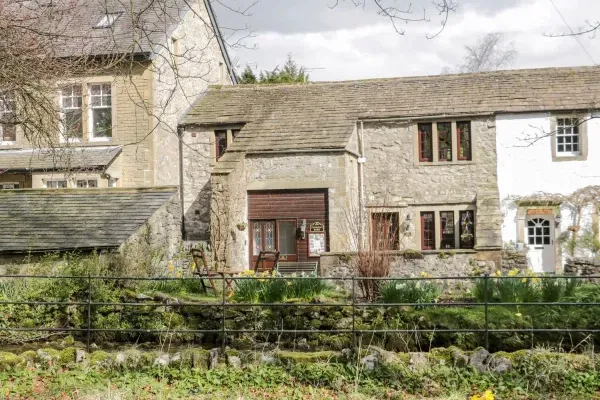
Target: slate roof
column 65, row 158
column 322, row 115
column 142, row 27
column 70, row 219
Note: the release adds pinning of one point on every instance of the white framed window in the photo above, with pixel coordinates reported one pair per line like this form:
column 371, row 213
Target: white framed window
column 56, row 184
column 71, row 114
column 8, row 130
column 568, row 138
column 100, row 111
column 9, row 185
column 87, row 183
column 113, row 182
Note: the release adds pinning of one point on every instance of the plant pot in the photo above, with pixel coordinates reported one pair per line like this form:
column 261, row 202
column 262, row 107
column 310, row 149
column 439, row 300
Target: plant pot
column 574, row 228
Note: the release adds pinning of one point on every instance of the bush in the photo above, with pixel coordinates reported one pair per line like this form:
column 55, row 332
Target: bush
column 410, row 291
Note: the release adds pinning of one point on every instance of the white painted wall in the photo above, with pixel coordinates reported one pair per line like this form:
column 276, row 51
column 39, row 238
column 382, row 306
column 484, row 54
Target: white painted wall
column 526, row 168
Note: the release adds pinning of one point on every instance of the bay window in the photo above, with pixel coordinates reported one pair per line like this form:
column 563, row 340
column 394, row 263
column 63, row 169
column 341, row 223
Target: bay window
column 100, row 111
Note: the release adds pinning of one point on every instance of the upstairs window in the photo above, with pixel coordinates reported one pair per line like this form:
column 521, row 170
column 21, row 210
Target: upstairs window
column 425, row 142
column 220, row 143
column 385, row 231
column 444, row 131
column 463, row 132
column 8, row 129
column 71, row 112
column 568, row 141
column 100, row 111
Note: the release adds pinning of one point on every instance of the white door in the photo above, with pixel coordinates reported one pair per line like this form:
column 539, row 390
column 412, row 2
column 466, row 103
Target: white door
column 540, row 243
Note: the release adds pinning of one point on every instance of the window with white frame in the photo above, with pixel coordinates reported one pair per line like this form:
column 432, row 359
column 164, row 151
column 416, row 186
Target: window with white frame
column 71, row 112
column 100, row 111
column 87, row 183
column 568, row 139
column 8, row 129
column 112, row 182
column 56, row 184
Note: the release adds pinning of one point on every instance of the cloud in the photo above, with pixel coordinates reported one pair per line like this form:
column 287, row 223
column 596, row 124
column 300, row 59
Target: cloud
column 349, row 50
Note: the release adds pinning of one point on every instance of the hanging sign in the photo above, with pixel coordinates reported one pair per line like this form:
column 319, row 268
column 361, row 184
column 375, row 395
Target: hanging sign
column 316, row 244
column 317, row 227
column 539, row 211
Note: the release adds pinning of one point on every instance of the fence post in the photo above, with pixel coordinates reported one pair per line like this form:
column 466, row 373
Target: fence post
column 223, row 313
column 89, row 312
column 353, row 312
column 486, row 279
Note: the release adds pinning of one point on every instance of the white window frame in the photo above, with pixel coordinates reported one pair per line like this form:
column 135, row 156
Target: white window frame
column 91, row 109
column 48, row 181
column 87, row 183
column 579, row 136
column 108, row 20
column 63, row 130
column 5, row 108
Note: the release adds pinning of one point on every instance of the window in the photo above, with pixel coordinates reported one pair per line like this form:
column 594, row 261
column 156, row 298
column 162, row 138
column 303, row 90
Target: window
column 538, row 231
column 87, row 183
column 108, row 20
column 71, row 114
column 463, row 132
column 567, row 137
column 385, row 231
column 100, row 111
column 220, row 143
column 425, row 142
column 444, row 130
column 467, row 229
column 427, row 231
column 447, row 229
column 8, row 129
column 112, row 182
column 286, row 234
column 7, row 185
column 56, row 184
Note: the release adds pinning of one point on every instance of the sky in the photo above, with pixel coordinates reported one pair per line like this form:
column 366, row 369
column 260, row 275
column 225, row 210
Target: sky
column 348, row 42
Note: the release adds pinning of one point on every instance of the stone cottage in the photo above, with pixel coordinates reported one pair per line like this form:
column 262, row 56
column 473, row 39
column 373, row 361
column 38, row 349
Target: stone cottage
column 326, row 168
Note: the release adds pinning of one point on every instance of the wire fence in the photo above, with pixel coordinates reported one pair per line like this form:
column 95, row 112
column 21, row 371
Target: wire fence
column 355, row 302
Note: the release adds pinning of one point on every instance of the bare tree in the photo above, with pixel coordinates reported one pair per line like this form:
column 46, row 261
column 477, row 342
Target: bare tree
column 490, row 53
column 405, row 13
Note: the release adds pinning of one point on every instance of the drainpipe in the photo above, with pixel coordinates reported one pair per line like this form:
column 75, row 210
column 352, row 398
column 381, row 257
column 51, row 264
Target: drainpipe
column 361, row 187
column 180, row 131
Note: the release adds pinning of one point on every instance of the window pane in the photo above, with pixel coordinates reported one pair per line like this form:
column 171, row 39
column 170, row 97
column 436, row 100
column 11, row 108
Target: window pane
column 546, row 239
column 463, row 131
column 269, row 236
column 447, row 226
column 102, row 122
column 385, row 231
column 257, row 238
column 427, row 231
column 467, row 229
column 73, row 124
column 444, row 141
column 425, row 142
column 221, row 142
column 287, row 237
column 8, row 132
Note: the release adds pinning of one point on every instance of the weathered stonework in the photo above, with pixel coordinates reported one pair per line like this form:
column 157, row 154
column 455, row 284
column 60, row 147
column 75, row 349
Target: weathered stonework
column 583, row 267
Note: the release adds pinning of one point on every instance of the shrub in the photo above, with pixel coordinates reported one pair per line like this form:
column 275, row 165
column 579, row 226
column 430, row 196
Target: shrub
column 411, row 291
column 371, row 264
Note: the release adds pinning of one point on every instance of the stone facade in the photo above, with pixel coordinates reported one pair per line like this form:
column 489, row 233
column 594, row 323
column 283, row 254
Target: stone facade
column 583, row 267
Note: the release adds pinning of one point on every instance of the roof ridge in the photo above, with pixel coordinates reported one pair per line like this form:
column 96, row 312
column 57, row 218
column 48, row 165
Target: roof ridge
column 82, row 191
column 507, row 72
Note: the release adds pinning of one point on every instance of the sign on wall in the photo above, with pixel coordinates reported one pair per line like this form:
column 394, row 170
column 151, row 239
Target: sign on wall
column 317, row 227
column 316, row 244
column 539, row 211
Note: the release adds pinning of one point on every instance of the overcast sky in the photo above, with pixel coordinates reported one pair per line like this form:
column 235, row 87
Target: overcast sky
column 349, row 42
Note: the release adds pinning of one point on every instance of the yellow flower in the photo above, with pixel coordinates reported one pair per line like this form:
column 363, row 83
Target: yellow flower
column 171, row 267
column 289, row 283
column 193, row 266
column 518, row 315
column 179, row 274
column 524, row 280
column 488, row 395
column 513, row 272
column 498, row 273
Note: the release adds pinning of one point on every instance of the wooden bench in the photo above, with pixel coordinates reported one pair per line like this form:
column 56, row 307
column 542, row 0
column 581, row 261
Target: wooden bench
column 296, row 267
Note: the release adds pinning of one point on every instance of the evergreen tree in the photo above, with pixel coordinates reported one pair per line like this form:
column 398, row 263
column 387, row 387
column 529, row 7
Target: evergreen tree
column 290, row 73
column 247, row 76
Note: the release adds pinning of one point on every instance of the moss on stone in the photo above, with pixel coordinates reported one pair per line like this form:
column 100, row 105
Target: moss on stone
column 294, row 357
column 100, row 358
column 47, row 355
column 195, row 358
column 28, row 357
column 67, row 355
column 8, row 361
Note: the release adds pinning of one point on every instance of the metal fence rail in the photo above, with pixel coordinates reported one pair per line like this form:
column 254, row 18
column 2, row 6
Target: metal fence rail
column 353, row 301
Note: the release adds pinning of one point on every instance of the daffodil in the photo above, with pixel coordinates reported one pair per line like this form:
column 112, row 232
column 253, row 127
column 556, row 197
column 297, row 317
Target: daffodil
column 498, row 273
column 513, row 272
column 518, row 315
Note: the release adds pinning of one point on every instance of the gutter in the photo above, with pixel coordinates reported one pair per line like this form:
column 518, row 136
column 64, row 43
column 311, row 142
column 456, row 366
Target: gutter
column 219, row 36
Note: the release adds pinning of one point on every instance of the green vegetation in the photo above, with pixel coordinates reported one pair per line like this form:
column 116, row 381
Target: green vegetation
column 532, row 375
column 290, row 73
column 412, row 291
column 263, row 290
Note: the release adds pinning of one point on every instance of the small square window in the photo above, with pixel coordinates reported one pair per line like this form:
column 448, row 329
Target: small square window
column 567, row 136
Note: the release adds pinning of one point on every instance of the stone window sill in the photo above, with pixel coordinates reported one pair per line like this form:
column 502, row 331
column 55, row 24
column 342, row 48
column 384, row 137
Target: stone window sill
column 442, row 163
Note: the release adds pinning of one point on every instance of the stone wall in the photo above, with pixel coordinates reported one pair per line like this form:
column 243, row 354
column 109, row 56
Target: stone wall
column 394, row 179
column 408, row 264
column 583, row 267
column 514, row 259
column 159, row 238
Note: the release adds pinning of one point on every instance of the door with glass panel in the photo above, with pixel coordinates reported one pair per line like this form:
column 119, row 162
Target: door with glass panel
column 540, row 243
column 273, row 235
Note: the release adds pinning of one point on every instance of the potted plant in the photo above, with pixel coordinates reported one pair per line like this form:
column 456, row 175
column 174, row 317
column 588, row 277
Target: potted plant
column 241, row 226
